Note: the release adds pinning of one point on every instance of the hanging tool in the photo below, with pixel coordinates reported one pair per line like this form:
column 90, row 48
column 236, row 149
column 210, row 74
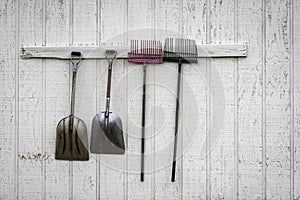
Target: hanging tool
column 107, row 134
column 146, row 52
column 180, row 51
column 71, row 132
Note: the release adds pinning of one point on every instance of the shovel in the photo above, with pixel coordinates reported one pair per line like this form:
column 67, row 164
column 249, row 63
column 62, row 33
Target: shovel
column 71, row 132
column 107, row 133
column 179, row 51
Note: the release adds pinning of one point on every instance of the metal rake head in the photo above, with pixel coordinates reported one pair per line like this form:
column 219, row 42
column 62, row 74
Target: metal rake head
column 145, row 51
column 179, row 49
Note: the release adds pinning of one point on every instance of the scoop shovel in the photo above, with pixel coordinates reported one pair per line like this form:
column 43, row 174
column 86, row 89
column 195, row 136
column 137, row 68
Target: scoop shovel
column 71, row 132
column 107, row 133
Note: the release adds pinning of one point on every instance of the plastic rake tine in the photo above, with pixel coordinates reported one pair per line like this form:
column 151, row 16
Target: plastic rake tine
column 145, row 52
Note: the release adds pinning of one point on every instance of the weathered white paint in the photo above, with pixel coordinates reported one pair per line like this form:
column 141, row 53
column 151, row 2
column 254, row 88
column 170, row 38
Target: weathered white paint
column 8, row 99
column 277, row 100
column 295, row 71
column 112, row 168
column 250, row 29
column 31, row 114
column 194, row 88
column 257, row 153
column 56, row 96
column 212, row 50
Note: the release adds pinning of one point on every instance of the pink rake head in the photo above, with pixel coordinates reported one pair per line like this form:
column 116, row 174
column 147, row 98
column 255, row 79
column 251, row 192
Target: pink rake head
column 146, row 52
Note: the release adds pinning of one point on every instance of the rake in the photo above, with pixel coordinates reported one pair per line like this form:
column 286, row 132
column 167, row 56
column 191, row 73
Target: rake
column 146, row 52
column 180, row 51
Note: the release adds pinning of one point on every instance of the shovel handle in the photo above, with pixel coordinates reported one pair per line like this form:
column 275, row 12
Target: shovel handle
column 109, row 80
column 108, row 90
column 110, row 56
column 107, row 107
column 75, row 60
column 73, row 92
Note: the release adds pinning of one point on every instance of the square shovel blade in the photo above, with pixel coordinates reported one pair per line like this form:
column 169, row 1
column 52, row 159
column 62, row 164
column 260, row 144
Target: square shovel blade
column 71, row 140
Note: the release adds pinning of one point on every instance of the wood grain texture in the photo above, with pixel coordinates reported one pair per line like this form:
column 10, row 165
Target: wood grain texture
column 140, row 21
column 222, row 118
column 194, row 89
column 111, row 32
column 277, row 100
column 31, row 180
column 250, row 180
column 8, row 121
column 168, row 16
column 56, row 96
column 261, row 99
column 296, row 101
column 208, row 50
column 84, row 32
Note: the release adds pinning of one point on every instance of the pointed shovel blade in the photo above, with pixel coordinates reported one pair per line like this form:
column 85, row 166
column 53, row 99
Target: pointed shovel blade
column 107, row 135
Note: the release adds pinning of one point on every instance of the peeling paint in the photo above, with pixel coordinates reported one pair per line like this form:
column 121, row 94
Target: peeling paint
column 35, row 157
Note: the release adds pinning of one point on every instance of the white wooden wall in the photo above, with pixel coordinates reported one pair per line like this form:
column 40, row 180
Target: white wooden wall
column 254, row 156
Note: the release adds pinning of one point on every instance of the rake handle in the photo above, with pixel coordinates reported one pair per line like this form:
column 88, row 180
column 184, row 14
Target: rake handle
column 176, row 121
column 143, row 124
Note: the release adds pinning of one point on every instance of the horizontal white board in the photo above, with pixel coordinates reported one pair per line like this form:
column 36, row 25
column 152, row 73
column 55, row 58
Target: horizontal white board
column 204, row 51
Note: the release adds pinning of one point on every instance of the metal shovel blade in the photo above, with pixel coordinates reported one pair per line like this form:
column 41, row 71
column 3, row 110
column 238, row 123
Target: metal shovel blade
column 107, row 135
column 71, row 139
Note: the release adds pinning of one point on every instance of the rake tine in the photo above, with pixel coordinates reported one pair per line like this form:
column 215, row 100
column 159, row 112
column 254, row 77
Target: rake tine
column 147, row 47
column 141, row 46
column 148, row 43
column 149, row 52
column 181, row 51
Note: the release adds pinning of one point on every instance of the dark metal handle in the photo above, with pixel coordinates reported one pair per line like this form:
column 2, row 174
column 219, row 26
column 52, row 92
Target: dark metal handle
column 143, row 123
column 109, row 80
column 176, row 121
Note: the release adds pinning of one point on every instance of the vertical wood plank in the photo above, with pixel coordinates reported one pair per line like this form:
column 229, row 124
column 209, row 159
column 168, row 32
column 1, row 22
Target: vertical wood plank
column 250, row 101
column 30, row 103
column 222, row 141
column 140, row 22
column 277, row 100
column 8, row 43
column 84, row 33
column 112, row 183
column 57, row 97
column 194, row 105
column 44, row 97
column 168, row 23
column 296, row 80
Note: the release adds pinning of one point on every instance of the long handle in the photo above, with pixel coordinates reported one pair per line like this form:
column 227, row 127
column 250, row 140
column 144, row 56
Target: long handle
column 108, row 89
column 73, row 87
column 176, row 122
column 143, row 124
column 75, row 65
